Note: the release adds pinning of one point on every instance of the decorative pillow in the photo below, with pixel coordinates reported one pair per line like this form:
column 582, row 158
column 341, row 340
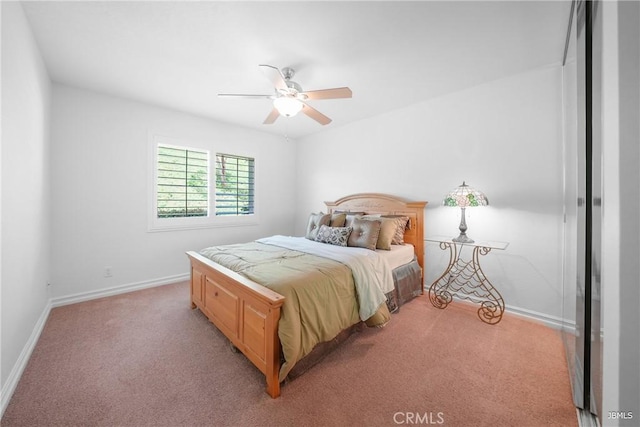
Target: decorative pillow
column 315, row 221
column 402, row 223
column 338, row 236
column 349, row 220
column 337, row 219
column 388, row 228
column 349, row 216
column 365, row 233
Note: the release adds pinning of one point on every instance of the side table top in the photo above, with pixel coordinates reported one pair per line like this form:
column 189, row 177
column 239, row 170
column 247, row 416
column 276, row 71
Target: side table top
column 483, row 243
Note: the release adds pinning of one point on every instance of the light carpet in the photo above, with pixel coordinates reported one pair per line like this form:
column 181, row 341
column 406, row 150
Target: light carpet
column 147, row 359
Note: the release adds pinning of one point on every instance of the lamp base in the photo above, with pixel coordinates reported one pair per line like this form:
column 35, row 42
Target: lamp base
column 462, row 238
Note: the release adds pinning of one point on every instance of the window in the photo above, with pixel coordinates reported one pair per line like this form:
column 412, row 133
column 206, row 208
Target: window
column 191, row 187
column 182, row 182
column 234, row 185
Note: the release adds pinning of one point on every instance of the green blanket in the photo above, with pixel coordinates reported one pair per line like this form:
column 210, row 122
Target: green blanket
column 320, row 294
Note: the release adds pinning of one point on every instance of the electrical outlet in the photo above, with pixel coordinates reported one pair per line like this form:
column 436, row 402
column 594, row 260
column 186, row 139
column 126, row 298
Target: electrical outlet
column 108, row 272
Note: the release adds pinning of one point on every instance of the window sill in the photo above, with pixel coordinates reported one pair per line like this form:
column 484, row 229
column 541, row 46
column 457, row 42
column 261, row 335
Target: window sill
column 178, row 224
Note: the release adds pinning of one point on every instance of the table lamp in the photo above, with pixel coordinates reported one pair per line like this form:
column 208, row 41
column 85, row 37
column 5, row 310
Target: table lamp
column 463, row 197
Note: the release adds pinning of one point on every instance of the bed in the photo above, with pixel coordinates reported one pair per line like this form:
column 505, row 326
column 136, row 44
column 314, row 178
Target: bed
column 252, row 302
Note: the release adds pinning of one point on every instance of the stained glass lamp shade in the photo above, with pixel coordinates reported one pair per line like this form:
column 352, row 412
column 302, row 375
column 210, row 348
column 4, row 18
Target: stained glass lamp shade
column 464, row 197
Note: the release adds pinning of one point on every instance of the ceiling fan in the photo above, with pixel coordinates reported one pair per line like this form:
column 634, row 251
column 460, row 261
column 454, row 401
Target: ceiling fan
column 289, row 98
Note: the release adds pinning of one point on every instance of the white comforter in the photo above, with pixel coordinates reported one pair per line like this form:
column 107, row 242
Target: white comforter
column 371, row 273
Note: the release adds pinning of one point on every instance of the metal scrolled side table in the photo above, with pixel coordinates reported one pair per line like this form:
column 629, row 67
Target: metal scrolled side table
column 465, row 279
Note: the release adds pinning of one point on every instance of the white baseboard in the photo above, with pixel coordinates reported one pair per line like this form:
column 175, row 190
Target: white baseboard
column 18, row 368
column 547, row 319
column 107, row 292
column 10, row 385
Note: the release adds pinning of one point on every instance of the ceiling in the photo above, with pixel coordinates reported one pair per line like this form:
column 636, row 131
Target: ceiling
column 181, row 54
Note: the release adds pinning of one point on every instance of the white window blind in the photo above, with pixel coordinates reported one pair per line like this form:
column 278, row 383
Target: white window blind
column 182, row 182
column 234, row 185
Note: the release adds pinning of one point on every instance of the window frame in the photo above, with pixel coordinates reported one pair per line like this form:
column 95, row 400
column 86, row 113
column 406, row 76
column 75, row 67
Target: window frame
column 212, row 220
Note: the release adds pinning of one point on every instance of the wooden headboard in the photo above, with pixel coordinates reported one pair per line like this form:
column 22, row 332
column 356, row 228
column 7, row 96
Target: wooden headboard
column 375, row 203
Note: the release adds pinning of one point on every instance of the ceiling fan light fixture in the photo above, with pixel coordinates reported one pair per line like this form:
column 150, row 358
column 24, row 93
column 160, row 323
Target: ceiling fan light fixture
column 287, row 106
column 289, row 99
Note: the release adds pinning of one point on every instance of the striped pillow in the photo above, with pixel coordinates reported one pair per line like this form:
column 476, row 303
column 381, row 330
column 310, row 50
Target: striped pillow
column 402, row 223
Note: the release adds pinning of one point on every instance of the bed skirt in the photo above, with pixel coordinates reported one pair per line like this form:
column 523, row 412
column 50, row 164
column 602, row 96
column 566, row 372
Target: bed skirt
column 408, row 285
column 408, row 282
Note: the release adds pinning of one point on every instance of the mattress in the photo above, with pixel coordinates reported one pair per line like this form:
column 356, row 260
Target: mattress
column 398, row 255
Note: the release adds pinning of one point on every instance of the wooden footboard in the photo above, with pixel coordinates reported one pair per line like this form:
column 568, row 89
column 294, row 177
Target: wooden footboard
column 245, row 312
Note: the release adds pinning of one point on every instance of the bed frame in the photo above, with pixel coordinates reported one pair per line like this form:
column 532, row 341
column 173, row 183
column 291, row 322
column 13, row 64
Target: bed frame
column 247, row 313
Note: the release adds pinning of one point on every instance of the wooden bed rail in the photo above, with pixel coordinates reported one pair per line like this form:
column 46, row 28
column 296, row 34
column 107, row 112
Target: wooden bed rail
column 244, row 311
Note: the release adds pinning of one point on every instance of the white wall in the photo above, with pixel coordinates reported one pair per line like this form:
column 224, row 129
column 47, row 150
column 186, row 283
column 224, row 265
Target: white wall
column 26, row 230
column 611, row 214
column 629, row 102
column 621, row 212
column 100, row 175
column 503, row 137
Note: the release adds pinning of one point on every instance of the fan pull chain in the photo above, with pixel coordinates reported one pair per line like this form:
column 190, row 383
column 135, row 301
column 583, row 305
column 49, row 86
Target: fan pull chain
column 286, row 130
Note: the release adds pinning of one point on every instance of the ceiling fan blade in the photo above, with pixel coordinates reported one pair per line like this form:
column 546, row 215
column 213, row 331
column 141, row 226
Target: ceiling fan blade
column 339, row 92
column 315, row 114
column 275, row 76
column 240, row 95
column 273, row 115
